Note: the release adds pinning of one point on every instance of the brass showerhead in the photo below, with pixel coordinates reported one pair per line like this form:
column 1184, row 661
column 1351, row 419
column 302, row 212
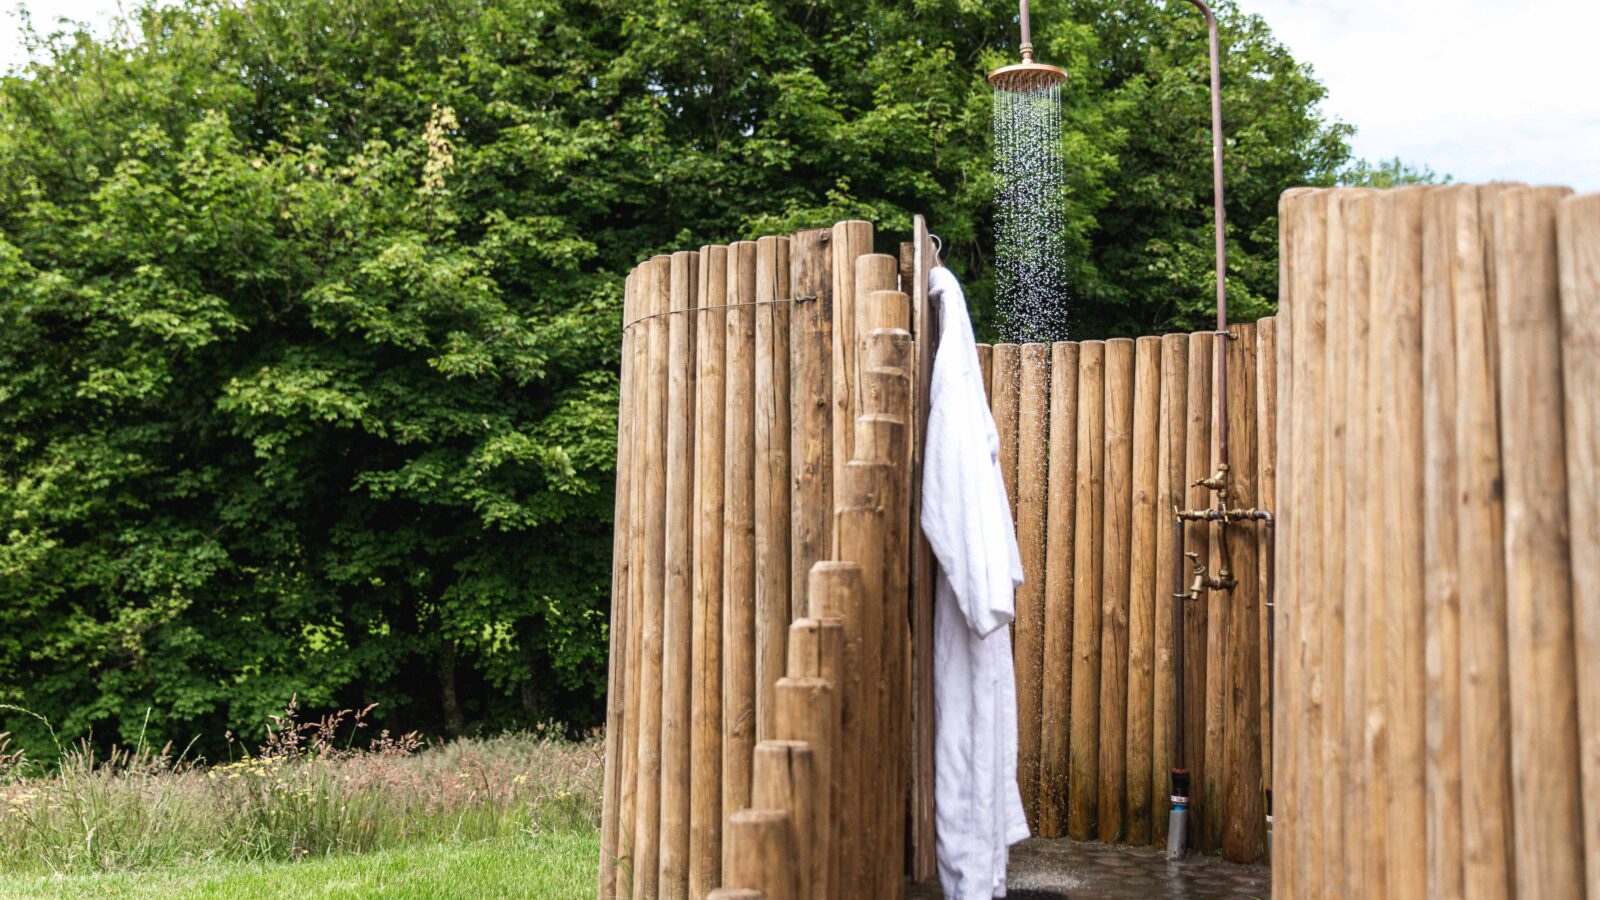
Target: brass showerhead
column 1027, row 75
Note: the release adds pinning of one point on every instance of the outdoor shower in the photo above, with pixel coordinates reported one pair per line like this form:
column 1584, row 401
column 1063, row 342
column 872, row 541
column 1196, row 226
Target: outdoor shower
column 1031, row 288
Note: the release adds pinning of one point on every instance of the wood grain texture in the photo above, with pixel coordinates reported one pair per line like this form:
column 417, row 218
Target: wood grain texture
column 761, row 853
column 1056, row 700
column 1242, row 835
column 1033, row 461
column 925, row 329
column 739, row 533
column 1084, row 744
column 1334, row 621
column 1199, row 464
column 1004, row 399
column 646, row 857
column 1543, row 677
column 1115, row 568
column 678, row 612
column 787, row 776
column 811, row 408
column 1376, row 737
column 627, row 814
column 1487, row 825
column 1266, row 490
column 840, row 590
column 1350, row 733
column 616, row 675
column 772, row 499
column 1578, row 233
column 1285, row 670
column 1441, row 565
column 848, row 241
column 1397, row 279
column 808, row 711
column 1169, row 610
column 1144, row 593
column 1306, row 407
column 705, row 738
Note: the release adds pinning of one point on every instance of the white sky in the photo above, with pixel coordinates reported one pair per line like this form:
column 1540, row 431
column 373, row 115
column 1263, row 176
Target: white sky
column 1478, row 89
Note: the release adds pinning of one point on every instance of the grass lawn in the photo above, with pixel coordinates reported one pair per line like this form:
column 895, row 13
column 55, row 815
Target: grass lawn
column 551, row 866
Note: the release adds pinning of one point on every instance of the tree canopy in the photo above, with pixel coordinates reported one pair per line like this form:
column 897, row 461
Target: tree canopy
column 309, row 311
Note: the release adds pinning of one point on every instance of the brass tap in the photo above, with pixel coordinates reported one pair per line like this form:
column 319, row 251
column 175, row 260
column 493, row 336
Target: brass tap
column 1217, row 483
column 1199, row 583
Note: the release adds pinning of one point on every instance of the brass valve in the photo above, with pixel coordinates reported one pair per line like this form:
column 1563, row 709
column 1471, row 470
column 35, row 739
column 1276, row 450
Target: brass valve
column 1217, row 483
column 1224, row 580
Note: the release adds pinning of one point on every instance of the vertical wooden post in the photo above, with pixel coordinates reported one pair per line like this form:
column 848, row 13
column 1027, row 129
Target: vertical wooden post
column 736, row 894
column 1004, row 397
column 761, row 853
column 647, row 852
column 1397, row 280
column 886, row 396
column 1062, row 518
column 1170, row 487
column 1329, row 761
column 1084, row 746
column 678, row 614
column 1349, row 735
column 1242, row 812
column 1442, row 589
column 705, row 742
column 811, row 410
column 638, row 454
column 1579, row 236
column 925, row 328
column 875, row 272
column 841, row 591
column 1033, row 428
column 1198, row 465
column 1487, row 825
column 739, row 533
column 849, row 240
column 773, row 611
column 1266, row 490
column 1544, row 703
column 808, row 710
column 1114, row 574
column 1376, row 755
column 616, row 677
column 1307, row 408
column 1145, row 590
column 1346, row 734
column 787, row 777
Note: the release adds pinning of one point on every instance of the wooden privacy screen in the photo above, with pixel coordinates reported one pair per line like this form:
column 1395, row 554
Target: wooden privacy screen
column 760, row 724
column 1439, row 666
column 1100, row 442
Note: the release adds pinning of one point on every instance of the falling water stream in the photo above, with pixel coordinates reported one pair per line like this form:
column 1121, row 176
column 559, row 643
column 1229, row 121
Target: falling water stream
column 1030, row 191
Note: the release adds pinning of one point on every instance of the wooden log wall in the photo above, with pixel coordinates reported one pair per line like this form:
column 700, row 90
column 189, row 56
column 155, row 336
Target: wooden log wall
column 1100, row 442
column 760, row 724
column 1437, row 554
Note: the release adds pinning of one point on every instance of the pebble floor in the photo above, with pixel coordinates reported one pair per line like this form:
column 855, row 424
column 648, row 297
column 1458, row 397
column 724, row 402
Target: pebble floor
column 1068, row 870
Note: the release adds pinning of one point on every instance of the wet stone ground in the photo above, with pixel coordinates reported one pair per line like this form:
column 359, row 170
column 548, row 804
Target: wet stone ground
column 1067, row 870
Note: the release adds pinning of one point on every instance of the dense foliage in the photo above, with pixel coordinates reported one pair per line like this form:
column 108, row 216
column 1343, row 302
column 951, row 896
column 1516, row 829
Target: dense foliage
column 308, row 310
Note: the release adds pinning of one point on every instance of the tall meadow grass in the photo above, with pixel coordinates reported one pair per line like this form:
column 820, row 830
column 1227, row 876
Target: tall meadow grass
column 303, row 793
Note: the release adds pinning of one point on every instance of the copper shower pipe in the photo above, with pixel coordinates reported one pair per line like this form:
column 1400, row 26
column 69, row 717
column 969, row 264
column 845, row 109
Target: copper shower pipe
column 1220, row 224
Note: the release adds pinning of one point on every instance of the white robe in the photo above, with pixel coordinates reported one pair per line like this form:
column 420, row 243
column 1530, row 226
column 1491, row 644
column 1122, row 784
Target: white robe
column 967, row 519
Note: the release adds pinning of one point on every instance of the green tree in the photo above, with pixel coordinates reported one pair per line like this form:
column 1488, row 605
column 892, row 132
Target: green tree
column 1386, row 173
column 308, row 311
